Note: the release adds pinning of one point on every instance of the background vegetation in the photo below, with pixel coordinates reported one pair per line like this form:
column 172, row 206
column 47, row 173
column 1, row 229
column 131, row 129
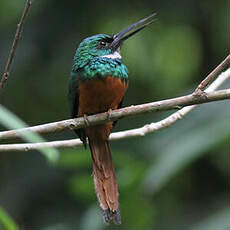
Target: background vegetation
column 175, row 179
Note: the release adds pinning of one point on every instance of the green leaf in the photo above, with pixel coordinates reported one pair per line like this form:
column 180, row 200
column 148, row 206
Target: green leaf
column 6, row 221
column 11, row 121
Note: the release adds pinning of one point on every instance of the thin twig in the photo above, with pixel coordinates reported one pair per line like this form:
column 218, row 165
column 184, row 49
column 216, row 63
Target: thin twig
column 77, row 123
column 150, row 128
column 15, row 43
column 225, row 63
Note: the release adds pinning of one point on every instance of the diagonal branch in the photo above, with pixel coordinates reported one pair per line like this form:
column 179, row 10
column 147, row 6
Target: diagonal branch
column 150, row 128
column 169, row 104
column 15, row 43
column 225, row 63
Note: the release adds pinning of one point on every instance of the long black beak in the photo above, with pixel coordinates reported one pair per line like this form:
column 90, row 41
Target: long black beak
column 120, row 37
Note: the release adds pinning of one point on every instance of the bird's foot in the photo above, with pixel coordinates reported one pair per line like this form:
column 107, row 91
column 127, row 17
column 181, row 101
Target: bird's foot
column 109, row 113
column 86, row 120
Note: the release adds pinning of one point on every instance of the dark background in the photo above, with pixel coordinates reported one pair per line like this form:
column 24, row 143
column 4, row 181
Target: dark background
column 177, row 178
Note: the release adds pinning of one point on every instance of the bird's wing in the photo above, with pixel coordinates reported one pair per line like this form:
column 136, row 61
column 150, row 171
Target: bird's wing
column 119, row 106
column 74, row 103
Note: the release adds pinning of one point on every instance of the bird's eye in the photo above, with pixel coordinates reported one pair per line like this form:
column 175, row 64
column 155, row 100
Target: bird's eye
column 102, row 43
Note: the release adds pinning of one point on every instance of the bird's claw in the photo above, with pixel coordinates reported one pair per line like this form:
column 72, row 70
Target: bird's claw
column 86, row 120
column 109, row 113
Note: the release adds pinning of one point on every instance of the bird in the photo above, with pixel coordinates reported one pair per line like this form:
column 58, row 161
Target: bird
column 98, row 82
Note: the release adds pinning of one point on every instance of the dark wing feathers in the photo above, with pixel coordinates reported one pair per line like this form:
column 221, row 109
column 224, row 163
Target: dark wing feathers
column 119, row 106
column 74, row 103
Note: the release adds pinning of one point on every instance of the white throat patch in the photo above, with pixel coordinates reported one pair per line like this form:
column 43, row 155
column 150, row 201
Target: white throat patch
column 113, row 56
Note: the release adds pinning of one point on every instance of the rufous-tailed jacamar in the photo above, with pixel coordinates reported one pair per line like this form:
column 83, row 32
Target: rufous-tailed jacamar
column 98, row 82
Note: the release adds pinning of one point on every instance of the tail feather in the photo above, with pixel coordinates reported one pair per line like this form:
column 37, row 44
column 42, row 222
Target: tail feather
column 105, row 179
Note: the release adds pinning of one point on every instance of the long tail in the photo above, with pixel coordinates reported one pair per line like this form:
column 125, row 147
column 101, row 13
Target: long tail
column 105, row 179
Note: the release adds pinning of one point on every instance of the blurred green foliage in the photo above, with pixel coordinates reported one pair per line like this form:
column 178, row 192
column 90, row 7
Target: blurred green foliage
column 174, row 179
column 10, row 121
column 6, row 223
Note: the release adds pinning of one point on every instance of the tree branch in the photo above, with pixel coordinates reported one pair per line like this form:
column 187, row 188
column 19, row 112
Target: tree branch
column 150, row 128
column 224, row 64
column 77, row 123
column 14, row 45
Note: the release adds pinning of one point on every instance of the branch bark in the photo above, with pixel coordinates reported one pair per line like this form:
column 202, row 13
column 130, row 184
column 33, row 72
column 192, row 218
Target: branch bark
column 15, row 44
column 77, row 123
column 149, row 128
column 225, row 63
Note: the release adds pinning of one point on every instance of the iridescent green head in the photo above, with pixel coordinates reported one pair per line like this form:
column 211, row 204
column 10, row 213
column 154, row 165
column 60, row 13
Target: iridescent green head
column 100, row 54
column 95, row 46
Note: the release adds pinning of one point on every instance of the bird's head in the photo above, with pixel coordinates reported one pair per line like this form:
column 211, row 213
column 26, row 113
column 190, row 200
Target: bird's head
column 102, row 45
